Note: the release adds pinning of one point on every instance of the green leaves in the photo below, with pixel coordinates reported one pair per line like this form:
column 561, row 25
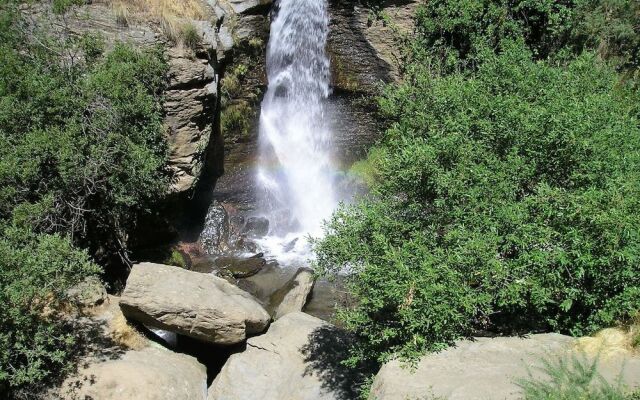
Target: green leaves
column 82, row 156
column 507, row 199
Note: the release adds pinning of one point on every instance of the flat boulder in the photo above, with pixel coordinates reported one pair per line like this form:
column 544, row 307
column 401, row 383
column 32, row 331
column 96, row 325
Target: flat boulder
column 490, row 368
column 193, row 304
column 277, row 365
column 152, row 373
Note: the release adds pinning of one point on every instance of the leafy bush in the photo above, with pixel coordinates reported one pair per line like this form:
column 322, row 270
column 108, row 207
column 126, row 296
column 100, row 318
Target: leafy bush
column 456, row 31
column 82, row 149
column 35, row 270
column 82, row 155
column 572, row 379
column 506, row 200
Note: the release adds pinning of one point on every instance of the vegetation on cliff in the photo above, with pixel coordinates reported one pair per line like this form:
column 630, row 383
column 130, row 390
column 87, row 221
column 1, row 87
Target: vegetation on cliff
column 507, row 189
column 82, row 154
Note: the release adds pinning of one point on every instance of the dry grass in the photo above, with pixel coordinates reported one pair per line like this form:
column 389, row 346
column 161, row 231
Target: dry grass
column 121, row 11
column 612, row 342
column 192, row 9
column 634, row 333
column 126, row 335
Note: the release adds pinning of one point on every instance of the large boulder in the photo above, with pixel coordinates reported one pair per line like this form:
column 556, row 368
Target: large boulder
column 489, row 369
column 294, row 294
column 189, row 303
column 277, row 365
column 152, row 373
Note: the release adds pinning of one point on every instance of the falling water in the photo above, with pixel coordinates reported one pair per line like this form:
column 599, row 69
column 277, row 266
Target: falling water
column 295, row 169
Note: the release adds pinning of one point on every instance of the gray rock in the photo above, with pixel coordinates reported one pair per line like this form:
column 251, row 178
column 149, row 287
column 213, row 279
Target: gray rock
column 275, row 366
column 88, row 293
column 241, row 267
column 251, row 26
column 256, row 227
column 214, row 237
column 487, row 368
column 152, row 373
column 296, row 292
column 189, row 303
column 248, row 6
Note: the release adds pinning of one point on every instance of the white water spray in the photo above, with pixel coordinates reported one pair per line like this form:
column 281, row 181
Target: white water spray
column 295, row 170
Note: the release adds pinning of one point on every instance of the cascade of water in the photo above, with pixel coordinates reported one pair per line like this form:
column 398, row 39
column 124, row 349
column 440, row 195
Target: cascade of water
column 295, row 168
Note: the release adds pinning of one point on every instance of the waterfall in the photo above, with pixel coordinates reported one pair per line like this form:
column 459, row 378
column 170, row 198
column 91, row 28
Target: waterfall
column 296, row 173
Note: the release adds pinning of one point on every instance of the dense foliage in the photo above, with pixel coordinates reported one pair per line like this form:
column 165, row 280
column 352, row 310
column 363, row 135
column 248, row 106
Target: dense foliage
column 507, row 190
column 82, row 154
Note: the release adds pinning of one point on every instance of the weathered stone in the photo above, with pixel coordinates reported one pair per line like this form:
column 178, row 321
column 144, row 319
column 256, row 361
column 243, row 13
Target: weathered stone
column 248, row 6
column 198, row 305
column 152, row 373
column 295, row 293
column 215, row 235
column 251, row 26
column 383, row 35
column 256, row 227
column 241, row 267
column 488, row 368
column 276, row 365
column 88, row 293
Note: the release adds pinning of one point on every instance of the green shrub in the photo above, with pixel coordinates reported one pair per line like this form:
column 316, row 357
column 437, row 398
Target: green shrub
column 82, row 155
column 456, row 31
column 235, row 119
column 190, row 36
column 572, row 379
column 85, row 149
column 506, row 200
column 35, row 271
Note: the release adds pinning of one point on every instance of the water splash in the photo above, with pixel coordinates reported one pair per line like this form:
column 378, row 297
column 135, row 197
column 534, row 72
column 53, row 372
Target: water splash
column 296, row 173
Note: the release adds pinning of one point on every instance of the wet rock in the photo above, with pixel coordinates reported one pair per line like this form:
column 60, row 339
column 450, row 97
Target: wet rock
column 488, row 368
column 293, row 296
column 198, row 305
column 248, row 6
column 152, row 373
column 289, row 246
column 241, row 267
column 256, row 227
column 215, row 235
column 88, row 293
column 276, row 365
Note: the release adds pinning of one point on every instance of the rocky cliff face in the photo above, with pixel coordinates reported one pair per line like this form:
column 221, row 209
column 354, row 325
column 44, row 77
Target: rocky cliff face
column 363, row 44
column 191, row 100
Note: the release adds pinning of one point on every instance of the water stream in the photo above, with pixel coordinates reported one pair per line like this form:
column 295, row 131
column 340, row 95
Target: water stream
column 296, row 171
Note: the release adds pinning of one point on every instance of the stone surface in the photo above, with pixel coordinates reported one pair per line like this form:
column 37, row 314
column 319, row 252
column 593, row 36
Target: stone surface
column 364, row 51
column 241, row 267
column 190, row 102
column 152, row 373
column 248, row 6
column 198, row 305
column 276, row 365
column 487, row 369
column 383, row 35
column 214, row 237
column 256, row 227
column 295, row 293
column 88, row 293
